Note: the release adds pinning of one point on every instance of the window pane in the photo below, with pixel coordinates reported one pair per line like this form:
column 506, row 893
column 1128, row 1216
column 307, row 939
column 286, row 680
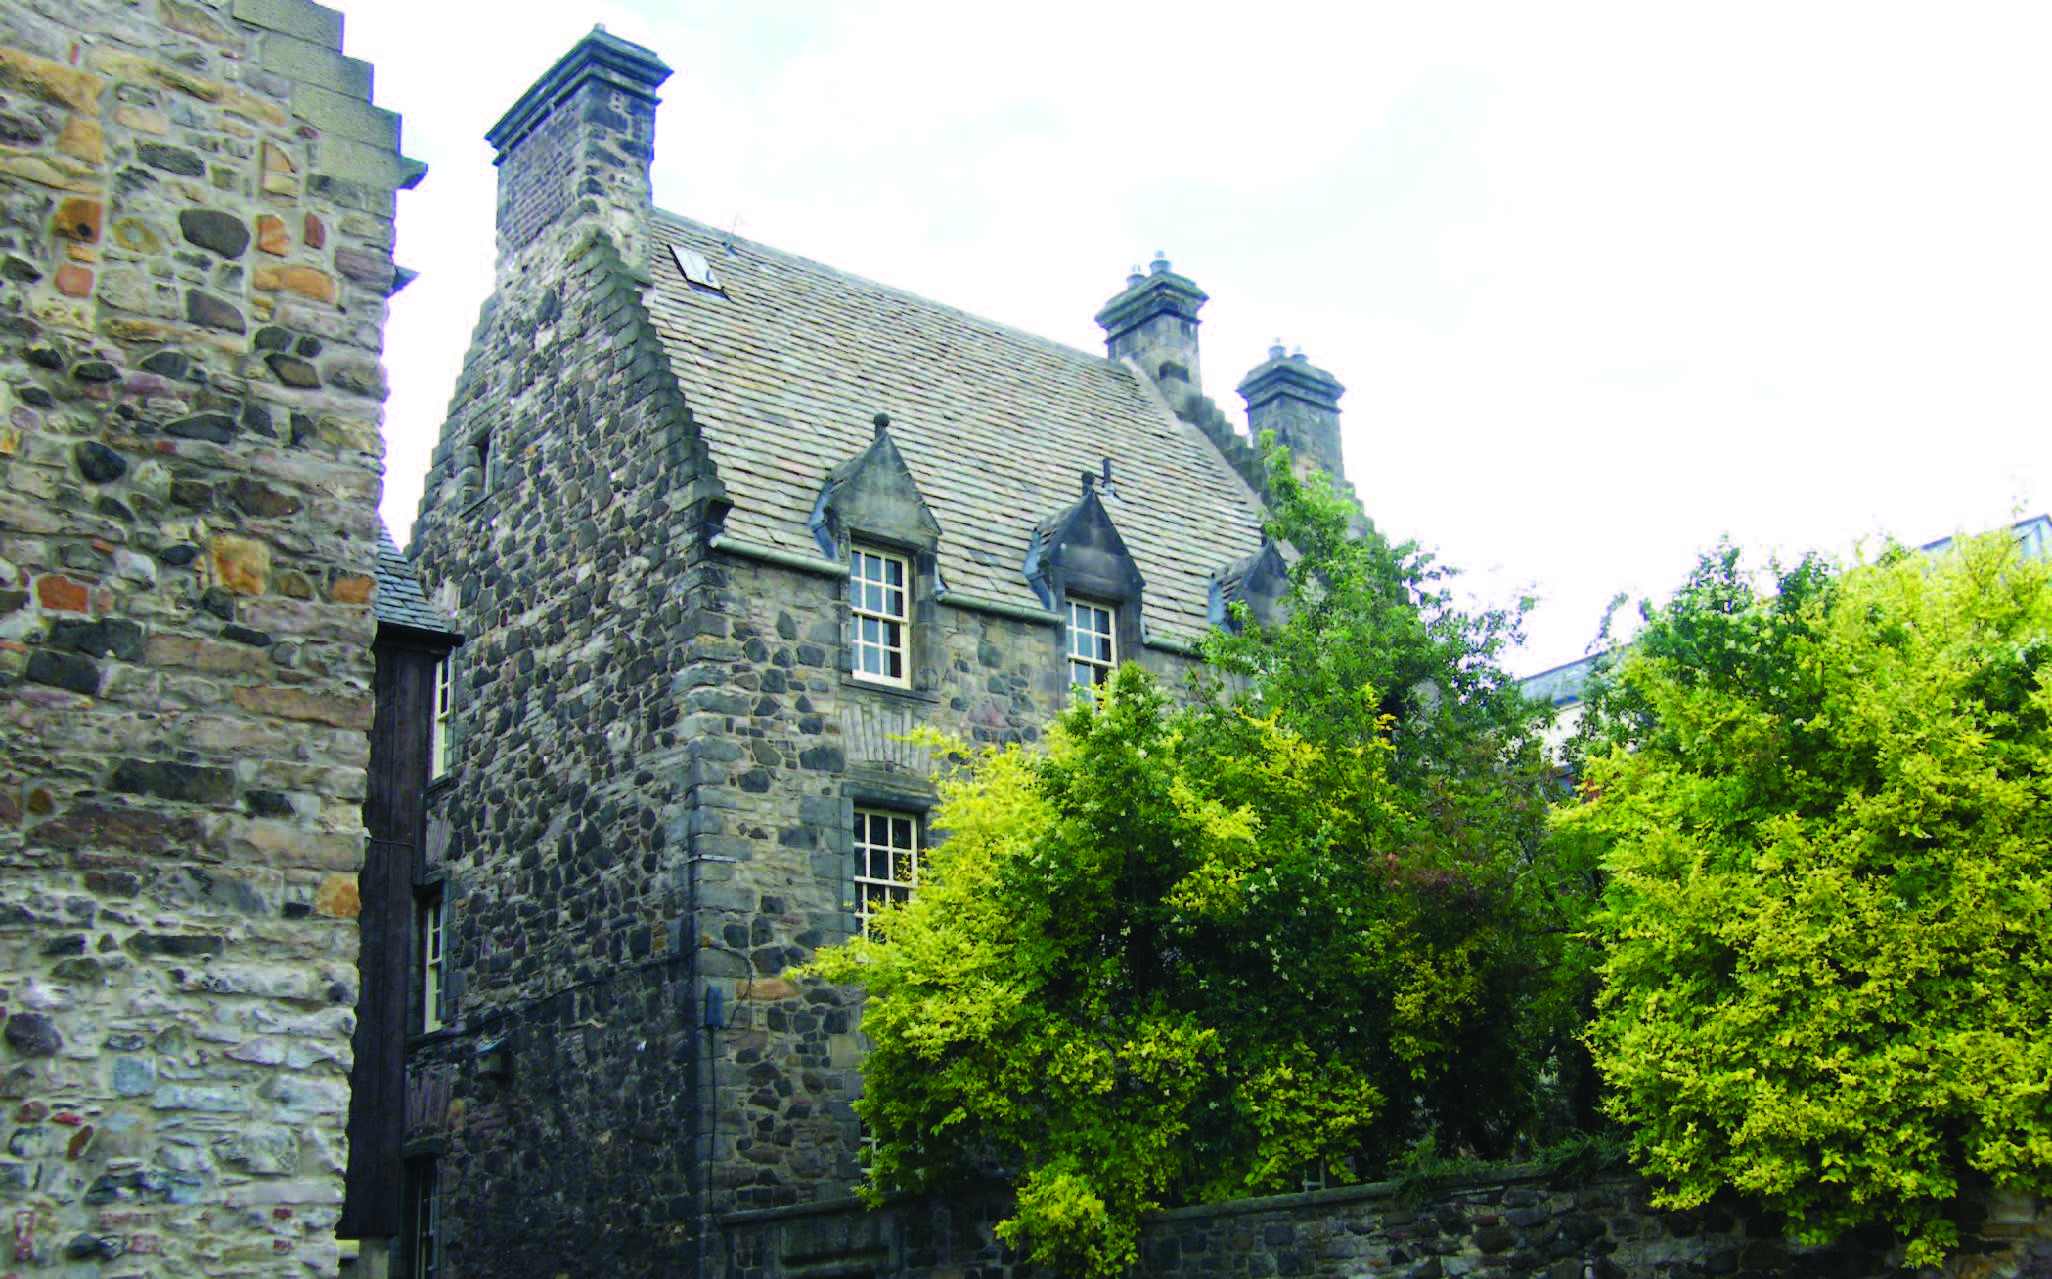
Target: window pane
column 886, row 859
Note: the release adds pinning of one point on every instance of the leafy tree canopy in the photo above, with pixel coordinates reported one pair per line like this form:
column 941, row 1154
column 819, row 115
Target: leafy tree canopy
column 1825, row 814
column 1198, row 947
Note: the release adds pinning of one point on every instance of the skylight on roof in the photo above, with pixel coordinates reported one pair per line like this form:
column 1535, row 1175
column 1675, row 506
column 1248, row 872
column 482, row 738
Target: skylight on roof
column 696, row 269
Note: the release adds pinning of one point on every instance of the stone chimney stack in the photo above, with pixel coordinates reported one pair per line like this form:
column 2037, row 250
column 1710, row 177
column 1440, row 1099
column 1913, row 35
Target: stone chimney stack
column 1297, row 400
column 1154, row 324
column 577, row 145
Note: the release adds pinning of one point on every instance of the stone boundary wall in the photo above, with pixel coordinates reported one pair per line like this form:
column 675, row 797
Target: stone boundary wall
column 196, row 202
column 1513, row 1225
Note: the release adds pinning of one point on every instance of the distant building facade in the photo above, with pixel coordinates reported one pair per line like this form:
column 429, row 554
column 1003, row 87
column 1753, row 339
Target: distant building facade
column 1562, row 687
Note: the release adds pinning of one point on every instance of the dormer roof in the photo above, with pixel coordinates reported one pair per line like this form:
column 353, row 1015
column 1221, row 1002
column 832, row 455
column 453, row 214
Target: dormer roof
column 1079, row 550
column 874, row 494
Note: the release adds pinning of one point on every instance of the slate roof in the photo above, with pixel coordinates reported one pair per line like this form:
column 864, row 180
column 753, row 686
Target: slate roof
column 785, row 370
column 399, row 601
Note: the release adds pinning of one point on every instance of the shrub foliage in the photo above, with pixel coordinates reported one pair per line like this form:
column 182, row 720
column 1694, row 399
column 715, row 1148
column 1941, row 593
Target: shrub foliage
column 1201, row 945
column 1825, row 816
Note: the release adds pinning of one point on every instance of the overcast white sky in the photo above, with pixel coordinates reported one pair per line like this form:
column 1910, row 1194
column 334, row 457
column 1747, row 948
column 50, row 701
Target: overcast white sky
column 1603, row 281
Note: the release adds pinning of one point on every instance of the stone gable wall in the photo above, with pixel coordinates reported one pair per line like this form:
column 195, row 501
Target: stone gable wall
column 565, row 550
column 196, row 202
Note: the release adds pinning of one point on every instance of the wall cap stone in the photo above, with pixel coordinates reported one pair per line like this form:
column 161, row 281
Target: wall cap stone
column 302, row 18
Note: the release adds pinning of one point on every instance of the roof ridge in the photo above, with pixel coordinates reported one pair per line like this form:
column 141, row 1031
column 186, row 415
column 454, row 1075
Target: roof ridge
column 1013, row 330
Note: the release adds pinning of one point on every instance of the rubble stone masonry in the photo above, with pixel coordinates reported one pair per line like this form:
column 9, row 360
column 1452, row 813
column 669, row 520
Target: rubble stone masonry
column 196, row 201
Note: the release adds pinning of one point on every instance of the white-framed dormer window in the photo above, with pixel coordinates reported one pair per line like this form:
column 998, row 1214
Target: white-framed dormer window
column 1093, row 643
column 880, row 598
column 433, row 960
column 887, row 859
column 445, row 708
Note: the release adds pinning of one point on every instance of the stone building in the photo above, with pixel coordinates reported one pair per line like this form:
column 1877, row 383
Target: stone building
column 721, row 525
column 196, row 201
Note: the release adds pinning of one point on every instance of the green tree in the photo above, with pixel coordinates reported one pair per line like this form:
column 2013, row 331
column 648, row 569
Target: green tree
column 1195, row 948
column 1823, row 814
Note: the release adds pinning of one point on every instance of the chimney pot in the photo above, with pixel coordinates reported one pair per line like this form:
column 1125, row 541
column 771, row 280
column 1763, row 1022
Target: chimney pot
column 1160, row 265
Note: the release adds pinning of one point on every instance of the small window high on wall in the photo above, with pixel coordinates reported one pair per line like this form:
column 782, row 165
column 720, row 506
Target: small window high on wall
column 434, row 919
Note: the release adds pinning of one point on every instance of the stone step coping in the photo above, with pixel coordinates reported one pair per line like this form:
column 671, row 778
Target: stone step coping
column 1506, row 1175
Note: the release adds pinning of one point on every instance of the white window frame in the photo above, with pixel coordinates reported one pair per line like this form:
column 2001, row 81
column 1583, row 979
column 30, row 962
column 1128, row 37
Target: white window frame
column 1092, row 648
column 900, row 880
column 873, row 627
column 424, row 1256
column 444, row 716
column 434, row 971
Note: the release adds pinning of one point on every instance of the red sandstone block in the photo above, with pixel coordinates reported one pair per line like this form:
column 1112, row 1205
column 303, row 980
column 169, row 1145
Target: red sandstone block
column 74, row 280
column 61, row 593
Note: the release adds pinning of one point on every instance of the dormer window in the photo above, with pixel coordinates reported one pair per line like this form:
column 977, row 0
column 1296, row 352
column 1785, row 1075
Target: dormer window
column 1079, row 566
column 1093, row 643
column 880, row 599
